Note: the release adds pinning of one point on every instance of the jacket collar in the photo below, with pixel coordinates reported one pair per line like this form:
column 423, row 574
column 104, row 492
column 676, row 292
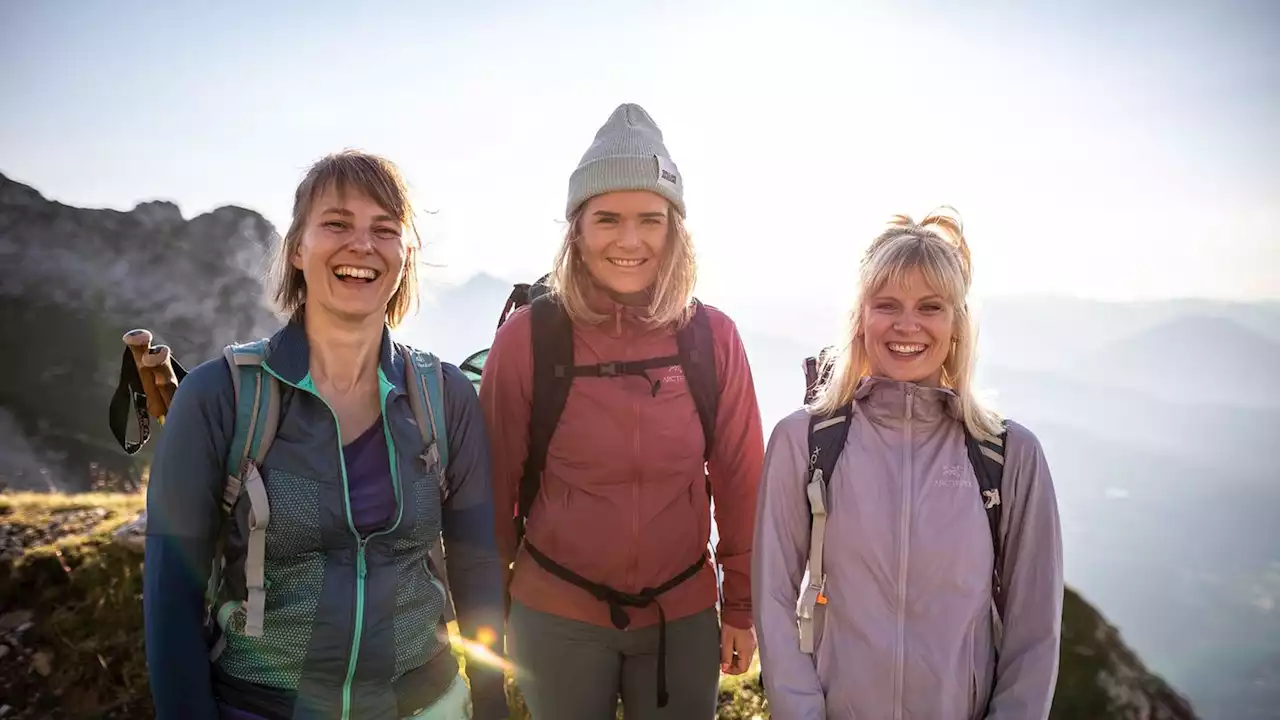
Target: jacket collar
column 289, row 355
column 885, row 399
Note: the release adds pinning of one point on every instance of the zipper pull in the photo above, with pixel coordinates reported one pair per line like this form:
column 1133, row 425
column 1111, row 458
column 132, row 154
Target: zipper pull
column 362, row 568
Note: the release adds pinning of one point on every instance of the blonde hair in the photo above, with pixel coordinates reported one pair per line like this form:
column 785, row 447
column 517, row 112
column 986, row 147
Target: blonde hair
column 670, row 296
column 936, row 247
column 376, row 177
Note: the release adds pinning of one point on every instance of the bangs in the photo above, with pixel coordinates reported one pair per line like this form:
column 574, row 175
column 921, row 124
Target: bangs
column 345, row 173
column 899, row 256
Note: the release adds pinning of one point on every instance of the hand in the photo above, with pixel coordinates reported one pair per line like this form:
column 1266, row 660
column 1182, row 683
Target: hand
column 155, row 370
column 737, row 649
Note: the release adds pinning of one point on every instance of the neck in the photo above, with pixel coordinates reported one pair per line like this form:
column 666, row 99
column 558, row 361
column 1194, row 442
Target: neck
column 344, row 355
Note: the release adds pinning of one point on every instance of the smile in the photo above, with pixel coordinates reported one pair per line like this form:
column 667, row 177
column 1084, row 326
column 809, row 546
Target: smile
column 628, row 262
column 351, row 273
column 906, row 349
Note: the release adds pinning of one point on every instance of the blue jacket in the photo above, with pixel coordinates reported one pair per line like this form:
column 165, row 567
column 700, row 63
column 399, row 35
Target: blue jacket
column 353, row 630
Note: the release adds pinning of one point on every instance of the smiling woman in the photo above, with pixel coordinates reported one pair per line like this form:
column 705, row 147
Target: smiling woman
column 933, row 603
column 322, row 529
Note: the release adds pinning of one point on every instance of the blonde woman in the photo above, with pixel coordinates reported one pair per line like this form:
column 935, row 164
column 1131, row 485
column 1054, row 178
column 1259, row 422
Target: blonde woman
column 619, row 407
column 300, row 472
column 927, row 524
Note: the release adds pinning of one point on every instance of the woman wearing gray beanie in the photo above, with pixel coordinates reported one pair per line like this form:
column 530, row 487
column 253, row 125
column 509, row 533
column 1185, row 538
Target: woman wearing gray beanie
column 619, row 407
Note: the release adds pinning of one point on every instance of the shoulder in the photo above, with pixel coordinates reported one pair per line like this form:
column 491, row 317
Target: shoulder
column 516, row 331
column 792, row 429
column 207, row 385
column 723, row 328
column 1021, row 444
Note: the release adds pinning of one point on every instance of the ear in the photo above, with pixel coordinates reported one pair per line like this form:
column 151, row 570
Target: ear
column 295, row 257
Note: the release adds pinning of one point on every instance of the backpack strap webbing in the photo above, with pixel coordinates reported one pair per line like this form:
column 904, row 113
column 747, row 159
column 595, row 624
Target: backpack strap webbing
column 425, row 378
column 987, row 458
column 424, row 375
column 697, row 349
column 827, row 436
column 552, row 338
column 257, row 394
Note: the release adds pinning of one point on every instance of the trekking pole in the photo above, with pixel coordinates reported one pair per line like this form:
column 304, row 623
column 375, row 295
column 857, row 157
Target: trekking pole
column 148, row 377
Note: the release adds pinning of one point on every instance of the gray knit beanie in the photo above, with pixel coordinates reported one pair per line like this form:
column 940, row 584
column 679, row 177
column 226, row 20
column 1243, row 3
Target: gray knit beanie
column 627, row 154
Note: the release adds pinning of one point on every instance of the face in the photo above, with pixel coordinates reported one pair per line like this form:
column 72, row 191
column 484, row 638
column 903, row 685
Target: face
column 623, row 239
column 352, row 255
column 907, row 329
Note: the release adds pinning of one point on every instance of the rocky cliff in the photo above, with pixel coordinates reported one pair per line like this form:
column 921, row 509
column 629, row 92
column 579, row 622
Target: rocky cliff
column 72, row 280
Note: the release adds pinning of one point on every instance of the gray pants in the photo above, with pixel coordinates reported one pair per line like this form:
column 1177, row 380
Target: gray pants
column 570, row 670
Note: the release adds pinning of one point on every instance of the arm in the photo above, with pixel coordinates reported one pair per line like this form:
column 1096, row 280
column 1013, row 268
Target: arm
column 1031, row 602
column 475, row 577
column 506, row 400
column 734, row 469
column 183, row 515
column 778, row 565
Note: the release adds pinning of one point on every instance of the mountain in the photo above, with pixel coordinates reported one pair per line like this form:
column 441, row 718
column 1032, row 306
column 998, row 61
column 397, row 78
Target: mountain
column 73, row 281
column 1192, row 359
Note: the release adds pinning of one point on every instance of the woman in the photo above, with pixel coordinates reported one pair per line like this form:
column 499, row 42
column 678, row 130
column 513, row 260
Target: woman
column 340, row 615
column 611, row 591
column 904, row 616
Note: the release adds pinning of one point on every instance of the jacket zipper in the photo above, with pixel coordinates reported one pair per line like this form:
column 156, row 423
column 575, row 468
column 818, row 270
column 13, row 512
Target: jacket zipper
column 903, row 550
column 362, row 569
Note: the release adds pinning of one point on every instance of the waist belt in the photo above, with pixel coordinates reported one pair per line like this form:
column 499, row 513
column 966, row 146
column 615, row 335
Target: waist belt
column 617, row 600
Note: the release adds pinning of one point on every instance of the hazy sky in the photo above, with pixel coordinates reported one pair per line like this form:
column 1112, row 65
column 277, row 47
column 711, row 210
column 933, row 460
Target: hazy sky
column 1105, row 149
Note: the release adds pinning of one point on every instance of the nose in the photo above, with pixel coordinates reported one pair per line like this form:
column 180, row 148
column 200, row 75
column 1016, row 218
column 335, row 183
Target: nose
column 906, row 323
column 361, row 241
column 629, row 237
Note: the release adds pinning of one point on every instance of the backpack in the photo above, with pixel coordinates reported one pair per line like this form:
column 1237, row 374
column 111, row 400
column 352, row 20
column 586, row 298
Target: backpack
column 554, row 372
column 827, row 437
column 257, row 400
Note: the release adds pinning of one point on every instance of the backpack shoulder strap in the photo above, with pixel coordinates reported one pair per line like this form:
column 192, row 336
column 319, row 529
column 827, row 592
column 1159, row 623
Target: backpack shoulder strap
column 552, row 338
column 987, row 458
column 698, row 357
column 425, row 377
column 257, row 395
column 827, row 436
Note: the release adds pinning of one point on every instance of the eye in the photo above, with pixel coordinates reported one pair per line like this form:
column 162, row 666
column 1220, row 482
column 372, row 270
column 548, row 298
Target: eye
column 652, row 221
column 885, row 306
column 387, row 232
column 606, row 221
column 334, row 225
column 931, row 308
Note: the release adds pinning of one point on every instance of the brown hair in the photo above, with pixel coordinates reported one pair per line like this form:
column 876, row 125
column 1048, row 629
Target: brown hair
column 670, row 296
column 372, row 175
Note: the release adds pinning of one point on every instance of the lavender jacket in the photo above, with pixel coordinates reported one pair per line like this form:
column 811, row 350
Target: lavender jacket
column 911, row 629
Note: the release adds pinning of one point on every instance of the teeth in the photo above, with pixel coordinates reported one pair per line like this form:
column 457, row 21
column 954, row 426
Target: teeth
column 356, row 272
column 626, row 262
column 906, row 348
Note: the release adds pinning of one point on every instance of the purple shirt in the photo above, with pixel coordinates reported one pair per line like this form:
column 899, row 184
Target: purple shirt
column 373, row 498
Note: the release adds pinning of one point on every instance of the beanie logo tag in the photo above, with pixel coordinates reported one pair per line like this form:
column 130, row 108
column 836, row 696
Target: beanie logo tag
column 667, row 174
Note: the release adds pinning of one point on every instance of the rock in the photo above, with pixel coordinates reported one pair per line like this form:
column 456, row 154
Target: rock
column 43, row 663
column 4, row 650
column 133, row 534
column 15, row 619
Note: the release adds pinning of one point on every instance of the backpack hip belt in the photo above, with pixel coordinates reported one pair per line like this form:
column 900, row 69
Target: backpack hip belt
column 617, row 600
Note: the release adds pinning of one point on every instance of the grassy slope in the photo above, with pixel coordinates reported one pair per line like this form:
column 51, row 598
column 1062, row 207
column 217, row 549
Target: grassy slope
column 85, row 594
